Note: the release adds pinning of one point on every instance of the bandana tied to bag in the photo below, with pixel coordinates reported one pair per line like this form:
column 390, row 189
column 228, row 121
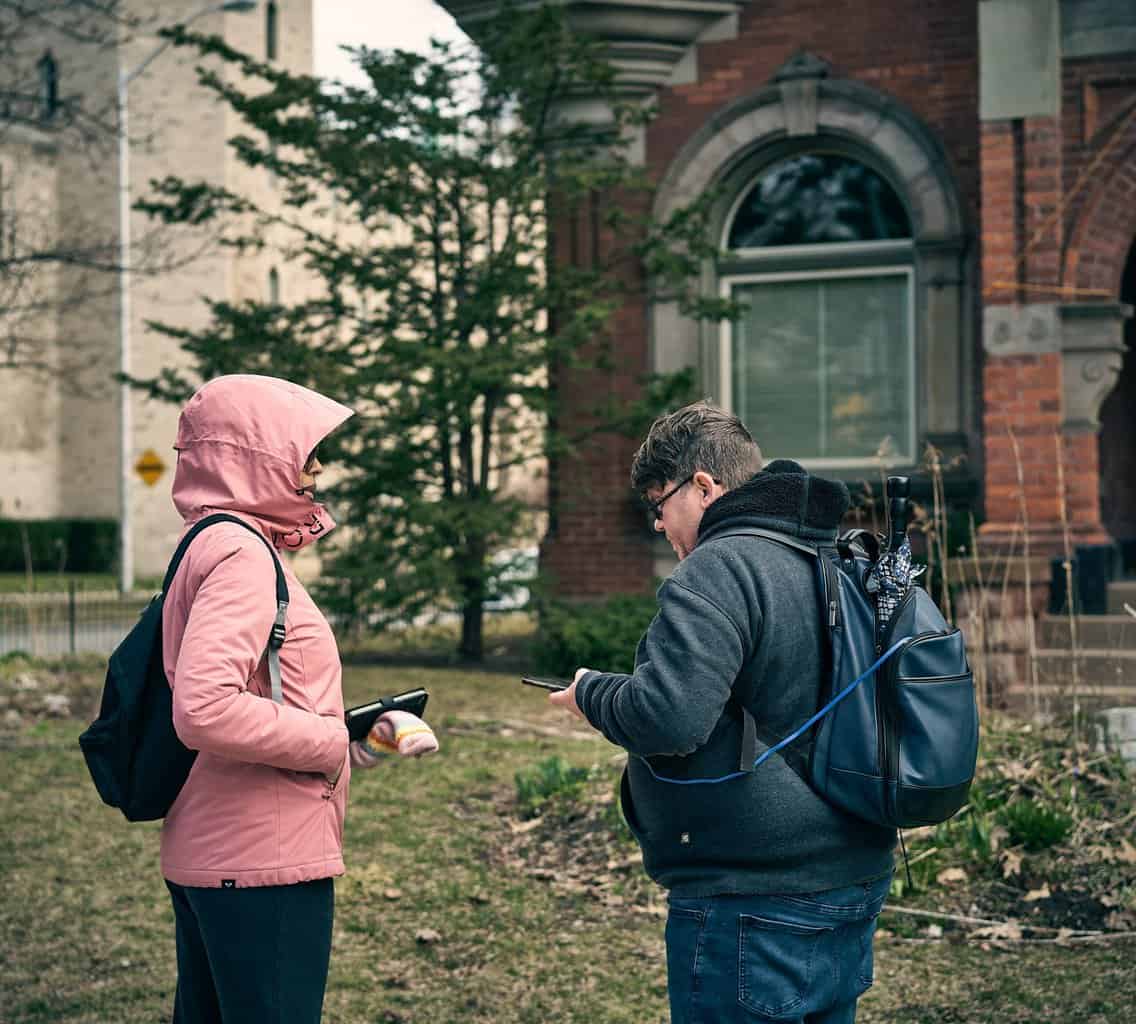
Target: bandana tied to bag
column 396, row 732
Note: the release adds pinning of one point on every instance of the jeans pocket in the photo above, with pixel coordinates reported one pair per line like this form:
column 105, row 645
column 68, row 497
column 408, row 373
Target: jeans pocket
column 866, row 970
column 684, row 934
column 775, row 965
column 877, row 893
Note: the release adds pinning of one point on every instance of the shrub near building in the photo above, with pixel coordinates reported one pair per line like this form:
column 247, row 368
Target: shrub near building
column 58, row 545
column 601, row 636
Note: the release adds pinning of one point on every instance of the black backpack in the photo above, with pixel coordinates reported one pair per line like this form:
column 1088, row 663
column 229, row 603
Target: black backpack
column 135, row 758
column 895, row 741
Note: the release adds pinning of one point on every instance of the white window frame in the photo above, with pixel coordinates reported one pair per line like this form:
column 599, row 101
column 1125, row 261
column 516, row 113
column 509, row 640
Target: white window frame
column 904, row 456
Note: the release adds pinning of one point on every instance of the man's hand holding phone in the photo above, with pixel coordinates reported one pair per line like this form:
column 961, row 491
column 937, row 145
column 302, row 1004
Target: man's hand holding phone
column 566, row 699
column 545, row 683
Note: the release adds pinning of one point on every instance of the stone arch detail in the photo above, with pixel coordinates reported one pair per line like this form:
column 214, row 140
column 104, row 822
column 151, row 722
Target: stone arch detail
column 803, row 109
column 1103, row 232
column 906, row 149
column 1096, row 253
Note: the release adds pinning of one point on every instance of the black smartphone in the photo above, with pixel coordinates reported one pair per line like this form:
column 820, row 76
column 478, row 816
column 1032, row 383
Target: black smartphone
column 360, row 719
column 546, row 684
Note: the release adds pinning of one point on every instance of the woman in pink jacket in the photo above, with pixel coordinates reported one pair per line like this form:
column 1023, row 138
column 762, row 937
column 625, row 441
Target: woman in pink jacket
column 251, row 844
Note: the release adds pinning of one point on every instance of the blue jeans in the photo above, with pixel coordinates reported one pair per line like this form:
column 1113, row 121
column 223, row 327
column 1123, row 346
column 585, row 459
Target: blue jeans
column 799, row 959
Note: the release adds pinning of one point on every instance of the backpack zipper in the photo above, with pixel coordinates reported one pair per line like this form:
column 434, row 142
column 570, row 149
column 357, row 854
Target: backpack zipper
column 831, row 576
column 885, row 703
column 886, row 687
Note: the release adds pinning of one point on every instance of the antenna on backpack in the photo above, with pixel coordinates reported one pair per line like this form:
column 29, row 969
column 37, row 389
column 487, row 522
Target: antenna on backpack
column 898, row 488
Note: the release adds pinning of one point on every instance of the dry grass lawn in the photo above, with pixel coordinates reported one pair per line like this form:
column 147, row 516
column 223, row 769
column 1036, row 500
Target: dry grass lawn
column 447, row 913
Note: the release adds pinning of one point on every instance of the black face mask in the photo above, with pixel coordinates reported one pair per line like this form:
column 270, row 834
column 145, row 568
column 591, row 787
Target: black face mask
column 310, row 490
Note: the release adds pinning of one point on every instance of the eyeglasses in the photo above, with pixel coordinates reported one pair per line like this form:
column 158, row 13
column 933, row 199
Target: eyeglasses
column 656, row 507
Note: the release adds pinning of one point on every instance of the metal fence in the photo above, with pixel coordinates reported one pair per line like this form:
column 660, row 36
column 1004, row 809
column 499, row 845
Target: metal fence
column 79, row 621
column 75, row 621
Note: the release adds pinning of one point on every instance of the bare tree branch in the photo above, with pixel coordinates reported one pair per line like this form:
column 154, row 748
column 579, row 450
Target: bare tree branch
column 56, row 262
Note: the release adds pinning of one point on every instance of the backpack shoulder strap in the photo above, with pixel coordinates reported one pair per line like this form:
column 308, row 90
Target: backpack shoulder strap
column 276, row 637
column 828, row 592
column 781, row 538
column 830, row 605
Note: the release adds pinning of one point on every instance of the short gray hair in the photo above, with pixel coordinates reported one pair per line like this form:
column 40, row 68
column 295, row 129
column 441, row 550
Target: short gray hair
column 696, row 437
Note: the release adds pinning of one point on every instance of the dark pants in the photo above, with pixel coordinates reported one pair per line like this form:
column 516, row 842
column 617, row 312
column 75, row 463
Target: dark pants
column 258, row 954
column 801, row 959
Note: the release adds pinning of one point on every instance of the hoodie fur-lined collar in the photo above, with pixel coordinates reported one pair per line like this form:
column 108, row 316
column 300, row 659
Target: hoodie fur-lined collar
column 783, row 497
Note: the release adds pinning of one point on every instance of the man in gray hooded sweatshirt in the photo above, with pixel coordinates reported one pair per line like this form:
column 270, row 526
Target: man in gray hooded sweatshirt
column 773, row 893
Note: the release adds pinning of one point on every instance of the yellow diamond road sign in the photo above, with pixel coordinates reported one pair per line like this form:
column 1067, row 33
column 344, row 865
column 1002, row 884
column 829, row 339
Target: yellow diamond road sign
column 149, row 467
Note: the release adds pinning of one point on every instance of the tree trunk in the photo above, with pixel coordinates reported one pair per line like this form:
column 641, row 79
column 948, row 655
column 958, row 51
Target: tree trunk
column 472, row 647
column 471, row 581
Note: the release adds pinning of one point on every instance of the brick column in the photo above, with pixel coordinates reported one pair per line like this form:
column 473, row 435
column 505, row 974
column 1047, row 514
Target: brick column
column 598, row 542
column 1026, row 340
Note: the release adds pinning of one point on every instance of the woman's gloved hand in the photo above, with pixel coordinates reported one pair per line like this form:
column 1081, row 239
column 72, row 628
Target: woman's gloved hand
column 397, row 732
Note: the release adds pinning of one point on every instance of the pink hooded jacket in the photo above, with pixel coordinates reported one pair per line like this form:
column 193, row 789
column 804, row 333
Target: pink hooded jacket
column 256, row 808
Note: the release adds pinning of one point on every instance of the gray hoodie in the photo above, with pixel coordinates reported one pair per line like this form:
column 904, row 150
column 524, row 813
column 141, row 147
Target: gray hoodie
column 738, row 620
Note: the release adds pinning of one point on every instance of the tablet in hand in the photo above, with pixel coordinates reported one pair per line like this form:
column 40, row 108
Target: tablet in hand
column 360, row 719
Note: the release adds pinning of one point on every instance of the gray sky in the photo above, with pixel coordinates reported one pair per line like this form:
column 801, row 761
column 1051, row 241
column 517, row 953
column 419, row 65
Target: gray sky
column 407, row 24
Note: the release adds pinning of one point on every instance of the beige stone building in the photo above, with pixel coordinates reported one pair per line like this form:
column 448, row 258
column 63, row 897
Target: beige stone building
column 30, row 454
column 59, row 431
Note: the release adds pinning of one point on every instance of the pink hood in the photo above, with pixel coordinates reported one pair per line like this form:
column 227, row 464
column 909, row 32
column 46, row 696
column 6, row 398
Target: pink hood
column 242, row 442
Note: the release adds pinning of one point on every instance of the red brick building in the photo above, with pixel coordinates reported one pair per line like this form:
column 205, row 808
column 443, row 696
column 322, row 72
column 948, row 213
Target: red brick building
column 930, row 209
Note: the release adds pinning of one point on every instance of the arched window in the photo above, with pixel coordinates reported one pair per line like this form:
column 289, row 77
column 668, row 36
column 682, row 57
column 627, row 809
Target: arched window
column 821, row 367
column 274, row 287
column 270, row 20
column 48, row 86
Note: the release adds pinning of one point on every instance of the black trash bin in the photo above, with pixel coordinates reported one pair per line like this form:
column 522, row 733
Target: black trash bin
column 1094, row 567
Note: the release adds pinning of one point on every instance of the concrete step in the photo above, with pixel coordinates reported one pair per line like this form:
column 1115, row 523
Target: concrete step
column 1098, row 632
column 1107, row 673
column 1121, row 592
column 1117, row 727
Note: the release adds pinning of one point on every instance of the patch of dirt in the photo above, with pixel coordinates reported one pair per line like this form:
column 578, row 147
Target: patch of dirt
column 1061, row 909
column 1047, row 844
column 976, row 878
column 30, row 693
column 580, row 846
column 556, row 725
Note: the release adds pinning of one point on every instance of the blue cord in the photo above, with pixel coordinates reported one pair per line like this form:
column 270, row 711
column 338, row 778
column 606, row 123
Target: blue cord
column 792, row 736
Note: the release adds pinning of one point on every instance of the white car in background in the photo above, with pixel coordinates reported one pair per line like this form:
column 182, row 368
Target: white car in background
column 521, row 568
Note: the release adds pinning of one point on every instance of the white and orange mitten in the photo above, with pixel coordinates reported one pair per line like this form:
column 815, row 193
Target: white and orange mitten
column 396, row 732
